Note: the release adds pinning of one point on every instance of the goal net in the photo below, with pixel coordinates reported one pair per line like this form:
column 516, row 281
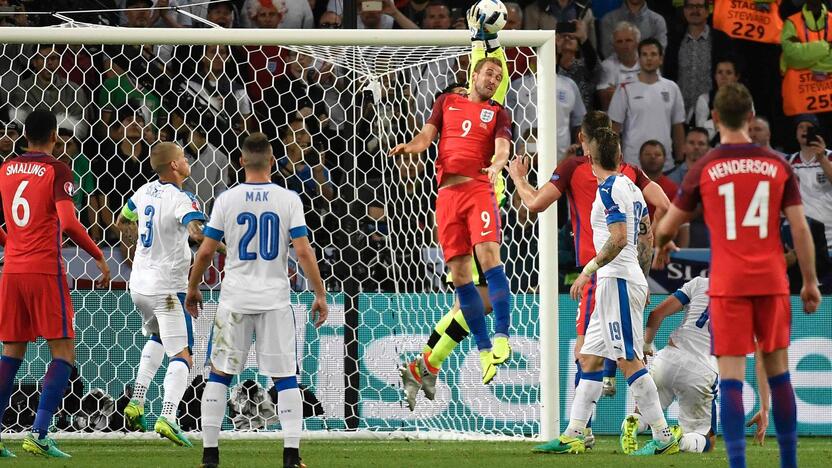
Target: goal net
column 332, row 110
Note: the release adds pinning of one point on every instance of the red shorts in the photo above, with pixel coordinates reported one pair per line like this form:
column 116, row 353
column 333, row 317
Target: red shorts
column 34, row 305
column 737, row 321
column 466, row 215
column 586, row 306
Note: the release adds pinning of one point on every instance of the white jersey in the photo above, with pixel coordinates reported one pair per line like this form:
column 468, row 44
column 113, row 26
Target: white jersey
column 693, row 335
column 257, row 222
column 619, row 200
column 163, row 256
column 815, row 190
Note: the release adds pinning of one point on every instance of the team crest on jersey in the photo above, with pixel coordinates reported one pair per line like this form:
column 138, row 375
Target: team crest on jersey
column 666, row 96
column 820, row 177
column 69, row 188
column 487, row 115
column 562, row 96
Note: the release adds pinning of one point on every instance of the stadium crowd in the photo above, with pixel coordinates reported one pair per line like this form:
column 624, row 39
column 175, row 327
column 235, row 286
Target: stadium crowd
column 644, row 62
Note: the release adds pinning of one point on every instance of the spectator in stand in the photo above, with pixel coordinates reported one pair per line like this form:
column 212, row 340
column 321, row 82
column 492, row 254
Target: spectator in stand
column 170, row 18
column 220, row 13
column 122, row 166
column 216, row 88
column 760, row 133
column 649, row 108
column 577, row 60
column 329, row 20
column 650, row 23
column 138, row 13
column 48, row 89
column 652, row 157
column 437, row 15
column 295, row 14
column 517, row 57
column 696, row 145
column 546, row 14
column 813, row 168
column 514, row 16
column 209, row 176
column 302, row 167
column 80, row 67
column 693, row 54
column 726, row 72
column 68, row 150
column 389, row 17
column 374, row 261
column 120, row 88
column 8, row 140
column 622, row 66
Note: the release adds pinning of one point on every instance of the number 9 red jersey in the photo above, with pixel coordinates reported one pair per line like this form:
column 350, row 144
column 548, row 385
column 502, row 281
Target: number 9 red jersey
column 467, row 131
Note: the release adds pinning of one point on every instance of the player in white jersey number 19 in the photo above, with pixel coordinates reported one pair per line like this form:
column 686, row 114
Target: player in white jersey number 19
column 258, row 220
column 158, row 220
column 624, row 245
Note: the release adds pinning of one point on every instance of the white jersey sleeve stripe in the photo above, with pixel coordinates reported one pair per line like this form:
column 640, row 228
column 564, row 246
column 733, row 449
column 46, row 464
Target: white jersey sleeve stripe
column 213, row 233
column 299, row 231
column 683, row 298
column 193, row 216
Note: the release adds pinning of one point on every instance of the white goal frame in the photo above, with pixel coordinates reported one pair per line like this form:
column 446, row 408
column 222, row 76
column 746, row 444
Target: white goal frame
column 543, row 41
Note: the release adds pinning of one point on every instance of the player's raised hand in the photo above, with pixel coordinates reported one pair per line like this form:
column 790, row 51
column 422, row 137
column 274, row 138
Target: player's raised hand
column 193, row 302
column 810, row 295
column 518, row 168
column 319, row 311
column 578, row 286
column 761, row 420
column 662, row 255
column 104, row 281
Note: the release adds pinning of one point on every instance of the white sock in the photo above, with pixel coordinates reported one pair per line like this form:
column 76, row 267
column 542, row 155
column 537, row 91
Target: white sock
column 213, row 410
column 176, row 381
column 647, row 398
column 152, row 355
column 587, row 394
column 290, row 407
column 692, row 442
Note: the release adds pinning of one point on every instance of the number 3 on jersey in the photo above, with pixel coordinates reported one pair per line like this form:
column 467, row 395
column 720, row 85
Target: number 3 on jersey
column 755, row 215
column 269, row 235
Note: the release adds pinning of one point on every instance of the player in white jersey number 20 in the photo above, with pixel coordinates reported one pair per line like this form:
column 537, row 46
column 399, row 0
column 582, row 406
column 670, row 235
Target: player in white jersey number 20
column 158, row 220
column 258, row 220
column 624, row 245
column 685, row 371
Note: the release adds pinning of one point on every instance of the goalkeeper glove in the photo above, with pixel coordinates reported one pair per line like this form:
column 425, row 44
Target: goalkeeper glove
column 475, row 22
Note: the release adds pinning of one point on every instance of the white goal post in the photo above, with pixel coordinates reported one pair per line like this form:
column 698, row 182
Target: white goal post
column 543, row 41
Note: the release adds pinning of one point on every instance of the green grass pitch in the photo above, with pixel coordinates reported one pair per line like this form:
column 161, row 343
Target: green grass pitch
column 812, row 452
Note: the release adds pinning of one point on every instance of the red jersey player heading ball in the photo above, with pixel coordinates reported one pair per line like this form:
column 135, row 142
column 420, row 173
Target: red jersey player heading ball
column 36, row 193
column 743, row 189
column 473, row 129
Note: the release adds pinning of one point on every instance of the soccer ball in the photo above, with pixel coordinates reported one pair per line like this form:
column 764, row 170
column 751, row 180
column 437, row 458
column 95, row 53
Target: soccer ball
column 495, row 15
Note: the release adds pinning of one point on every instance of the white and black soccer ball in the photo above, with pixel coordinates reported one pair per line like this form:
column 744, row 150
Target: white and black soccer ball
column 495, row 15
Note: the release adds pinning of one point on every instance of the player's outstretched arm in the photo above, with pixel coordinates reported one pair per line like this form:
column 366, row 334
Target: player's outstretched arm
column 309, row 264
column 804, row 247
column 202, row 260
column 78, row 233
column 761, row 418
column 668, row 307
column 535, row 200
column 419, row 143
column 614, row 245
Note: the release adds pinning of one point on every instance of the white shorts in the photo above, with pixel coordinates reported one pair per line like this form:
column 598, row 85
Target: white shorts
column 273, row 333
column 682, row 377
column 615, row 328
column 165, row 316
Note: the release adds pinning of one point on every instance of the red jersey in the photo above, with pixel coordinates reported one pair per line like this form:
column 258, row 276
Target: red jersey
column 742, row 188
column 668, row 187
column 574, row 177
column 30, row 186
column 467, row 131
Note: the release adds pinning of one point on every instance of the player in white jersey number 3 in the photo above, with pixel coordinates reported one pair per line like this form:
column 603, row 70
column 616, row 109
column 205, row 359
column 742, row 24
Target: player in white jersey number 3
column 258, row 220
column 159, row 218
column 624, row 245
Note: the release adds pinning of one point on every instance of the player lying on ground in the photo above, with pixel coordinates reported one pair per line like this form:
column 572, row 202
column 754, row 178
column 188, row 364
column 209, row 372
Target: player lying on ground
column 258, row 219
column 473, row 150
column 36, row 191
column 624, row 241
column 574, row 178
column 451, row 329
column 743, row 188
column 160, row 218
